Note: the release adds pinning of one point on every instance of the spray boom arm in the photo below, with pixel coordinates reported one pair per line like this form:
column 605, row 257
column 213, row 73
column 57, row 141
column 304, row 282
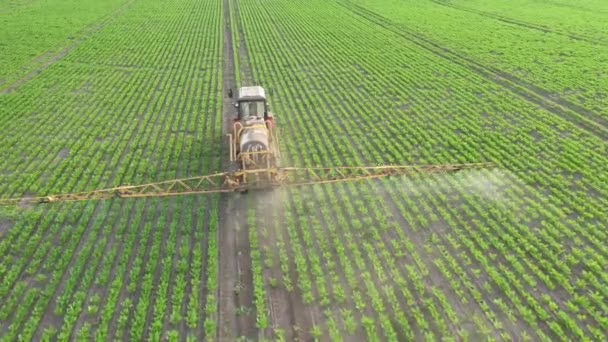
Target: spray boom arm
column 232, row 181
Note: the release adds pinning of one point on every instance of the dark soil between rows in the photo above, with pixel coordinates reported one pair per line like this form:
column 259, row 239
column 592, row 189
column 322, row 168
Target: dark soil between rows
column 236, row 315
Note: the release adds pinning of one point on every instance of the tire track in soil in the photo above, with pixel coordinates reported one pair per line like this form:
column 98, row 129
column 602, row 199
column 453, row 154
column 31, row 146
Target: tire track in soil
column 235, row 288
column 590, row 122
column 520, row 23
column 54, row 57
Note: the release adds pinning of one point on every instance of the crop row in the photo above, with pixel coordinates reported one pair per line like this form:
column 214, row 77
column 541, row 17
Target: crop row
column 424, row 257
column 27, row 35
column 137, row 102
column 566, row 69
column 582, row 21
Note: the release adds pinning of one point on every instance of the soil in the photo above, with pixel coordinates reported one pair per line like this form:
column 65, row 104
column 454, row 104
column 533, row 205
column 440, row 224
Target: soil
column 50, row 318
column 282, row 313
column 5, row 226
column 63, row 153
column 236, row 312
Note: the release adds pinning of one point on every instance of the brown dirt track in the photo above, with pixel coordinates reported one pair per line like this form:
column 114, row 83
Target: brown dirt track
column 237, row 312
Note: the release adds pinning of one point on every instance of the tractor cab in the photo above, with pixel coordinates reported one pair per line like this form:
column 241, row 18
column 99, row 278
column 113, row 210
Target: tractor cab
column 251, row 103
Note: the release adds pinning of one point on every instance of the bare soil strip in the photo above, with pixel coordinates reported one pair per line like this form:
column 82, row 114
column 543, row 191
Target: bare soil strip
column 235, row 290
column 590, row 122
column 226, row 259
column 524, row 24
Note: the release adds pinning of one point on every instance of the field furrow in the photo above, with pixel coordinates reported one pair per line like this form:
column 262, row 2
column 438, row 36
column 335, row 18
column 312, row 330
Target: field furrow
column 96, row 96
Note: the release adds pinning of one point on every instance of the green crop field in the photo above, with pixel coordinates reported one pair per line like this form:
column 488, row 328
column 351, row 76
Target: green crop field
column 99, row 94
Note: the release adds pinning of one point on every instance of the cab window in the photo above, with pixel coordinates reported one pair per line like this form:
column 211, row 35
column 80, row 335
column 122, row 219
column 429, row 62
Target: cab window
column 251, row 108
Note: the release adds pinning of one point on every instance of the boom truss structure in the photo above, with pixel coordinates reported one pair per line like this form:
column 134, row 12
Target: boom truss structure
column 248, row 179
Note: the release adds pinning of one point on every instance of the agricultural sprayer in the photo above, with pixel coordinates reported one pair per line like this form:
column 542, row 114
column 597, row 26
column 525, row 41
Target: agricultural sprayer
column 255, row 164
